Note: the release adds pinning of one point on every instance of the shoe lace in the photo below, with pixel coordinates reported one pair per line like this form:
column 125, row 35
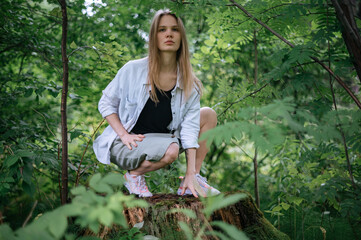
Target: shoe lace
column 141, row 183
column 204, row 179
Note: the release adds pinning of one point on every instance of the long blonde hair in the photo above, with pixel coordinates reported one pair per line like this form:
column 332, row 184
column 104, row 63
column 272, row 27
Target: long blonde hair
column 188, row 79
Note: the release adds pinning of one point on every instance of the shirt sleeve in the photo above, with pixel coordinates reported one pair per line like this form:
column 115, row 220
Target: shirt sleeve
column 110, row 100
column 190, row 125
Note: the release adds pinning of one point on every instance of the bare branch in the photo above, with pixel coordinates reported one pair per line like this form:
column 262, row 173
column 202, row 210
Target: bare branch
column 46, row 123
column 82, row 157
column 31, row 213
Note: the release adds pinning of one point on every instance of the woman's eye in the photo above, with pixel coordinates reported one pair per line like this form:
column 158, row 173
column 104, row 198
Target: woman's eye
column 161, row 30
column 175, row 29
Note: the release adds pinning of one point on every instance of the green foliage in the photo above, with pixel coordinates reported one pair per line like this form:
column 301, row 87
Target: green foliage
column 89, row 208
column 291, row 123
column 212, row 204
column 220, row 201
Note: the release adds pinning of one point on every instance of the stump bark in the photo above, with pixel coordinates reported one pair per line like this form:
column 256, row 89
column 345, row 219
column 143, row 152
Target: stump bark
column 158, row 222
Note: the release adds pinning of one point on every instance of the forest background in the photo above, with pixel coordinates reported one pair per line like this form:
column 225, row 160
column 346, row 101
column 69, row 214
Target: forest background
column 288, row 109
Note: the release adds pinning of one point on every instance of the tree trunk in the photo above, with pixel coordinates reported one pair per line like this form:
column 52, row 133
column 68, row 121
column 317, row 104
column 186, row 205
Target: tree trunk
column 64, row 127
column 346, row 10
column 157, row 222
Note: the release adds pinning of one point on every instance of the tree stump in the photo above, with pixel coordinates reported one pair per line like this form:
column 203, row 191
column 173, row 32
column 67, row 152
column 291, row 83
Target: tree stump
column 158, row 222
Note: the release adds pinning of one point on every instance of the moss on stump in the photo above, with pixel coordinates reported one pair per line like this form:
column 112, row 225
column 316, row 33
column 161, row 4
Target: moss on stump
column 158, row 222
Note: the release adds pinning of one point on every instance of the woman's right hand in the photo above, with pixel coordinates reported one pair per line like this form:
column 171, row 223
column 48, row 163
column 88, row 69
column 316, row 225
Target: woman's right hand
column 131, row 139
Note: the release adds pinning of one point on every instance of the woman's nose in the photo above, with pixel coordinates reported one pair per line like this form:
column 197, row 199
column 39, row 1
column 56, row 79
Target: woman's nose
column 169, row 33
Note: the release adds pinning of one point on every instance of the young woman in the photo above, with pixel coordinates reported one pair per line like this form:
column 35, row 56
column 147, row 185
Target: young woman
column 153, row 109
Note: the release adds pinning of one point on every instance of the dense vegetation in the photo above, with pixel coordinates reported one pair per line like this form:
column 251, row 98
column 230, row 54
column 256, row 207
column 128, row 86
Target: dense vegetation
column 278, row 109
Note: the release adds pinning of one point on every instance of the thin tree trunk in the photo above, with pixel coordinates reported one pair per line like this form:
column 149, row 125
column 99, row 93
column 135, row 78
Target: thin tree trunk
column 255, row 165
column 64, row 127
column 338, row 79
column 256, row 188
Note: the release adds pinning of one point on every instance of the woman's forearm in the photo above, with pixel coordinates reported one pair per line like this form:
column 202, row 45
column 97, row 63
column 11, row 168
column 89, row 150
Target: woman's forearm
column 191, row 161
column 114, row 122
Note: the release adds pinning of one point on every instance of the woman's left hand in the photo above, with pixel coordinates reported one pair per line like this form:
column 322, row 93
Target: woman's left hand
column 191, row 183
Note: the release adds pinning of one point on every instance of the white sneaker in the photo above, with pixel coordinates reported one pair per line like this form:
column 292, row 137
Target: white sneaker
column 136, row 185
column 209, row 190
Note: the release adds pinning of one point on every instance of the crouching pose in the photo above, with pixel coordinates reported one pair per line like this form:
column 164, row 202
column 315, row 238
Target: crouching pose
column 153, row 109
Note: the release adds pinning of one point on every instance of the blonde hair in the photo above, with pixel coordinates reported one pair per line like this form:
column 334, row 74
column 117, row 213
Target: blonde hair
column 188, row 79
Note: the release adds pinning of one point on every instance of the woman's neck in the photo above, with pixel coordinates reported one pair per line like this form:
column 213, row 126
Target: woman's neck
column 168, row 70
column 168, row 62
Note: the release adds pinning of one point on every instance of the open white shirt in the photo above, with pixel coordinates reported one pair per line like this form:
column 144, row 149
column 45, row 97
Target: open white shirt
column 126, row 96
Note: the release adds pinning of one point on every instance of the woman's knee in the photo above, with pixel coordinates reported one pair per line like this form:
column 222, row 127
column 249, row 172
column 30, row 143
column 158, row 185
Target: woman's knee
column 171, row 154
column 208, row 116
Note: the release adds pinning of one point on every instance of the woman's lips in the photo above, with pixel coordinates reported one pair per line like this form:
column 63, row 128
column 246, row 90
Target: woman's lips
column 169, row 42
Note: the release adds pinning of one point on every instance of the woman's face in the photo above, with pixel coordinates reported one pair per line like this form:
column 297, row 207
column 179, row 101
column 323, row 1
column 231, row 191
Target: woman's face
column 169, row 37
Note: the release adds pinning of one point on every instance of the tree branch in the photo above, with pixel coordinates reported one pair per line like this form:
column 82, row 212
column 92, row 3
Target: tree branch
column 339, row 80
column 79, row 48
column 30, row 214
column 242, row 98
column 82, row 157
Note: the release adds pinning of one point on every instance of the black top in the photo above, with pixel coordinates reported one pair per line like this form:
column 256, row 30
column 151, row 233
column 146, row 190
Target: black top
column 155, row 117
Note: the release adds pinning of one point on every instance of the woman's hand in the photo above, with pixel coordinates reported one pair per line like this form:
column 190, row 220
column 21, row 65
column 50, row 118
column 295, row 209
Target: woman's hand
column 126, row 138
column 131, row 139
column 191, row 183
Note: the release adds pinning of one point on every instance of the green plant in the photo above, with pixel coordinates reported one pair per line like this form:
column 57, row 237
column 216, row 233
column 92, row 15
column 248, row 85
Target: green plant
column 101, row 204
column 211, row 204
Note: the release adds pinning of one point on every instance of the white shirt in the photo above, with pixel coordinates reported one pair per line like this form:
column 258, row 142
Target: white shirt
column 126, row 96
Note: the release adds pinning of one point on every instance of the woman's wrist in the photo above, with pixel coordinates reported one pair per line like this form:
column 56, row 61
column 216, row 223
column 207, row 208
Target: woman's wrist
column 190, row 172
column 121, row 135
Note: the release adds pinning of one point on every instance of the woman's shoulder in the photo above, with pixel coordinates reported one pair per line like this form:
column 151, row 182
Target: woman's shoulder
column 137, row 63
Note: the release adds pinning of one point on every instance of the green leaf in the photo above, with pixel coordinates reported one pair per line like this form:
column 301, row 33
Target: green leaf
column 186, row 229
column 56, row 12
column 285, row 206
column 102, row 188
column 277, row 208
column 95, row 179
column 73, row 45
column 217, row 234
column 231, row 230
column 133, row 231
column 78, row 190
column 73, row 209
column 57, row 224
column 25, row 153
column 113, row 179
column 28, row 92
column 205, row 49
column 29, row 188
column 106, row 217
column 6, row 232
column 11, row 160
column 189, row 213
column 214, row 203
column 27, row 173
column 74, row 134
column 94, row 226
column 295, row 200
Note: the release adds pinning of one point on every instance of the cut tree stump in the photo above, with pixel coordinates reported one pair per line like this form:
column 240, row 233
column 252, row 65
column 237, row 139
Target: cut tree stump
column 158, row 222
